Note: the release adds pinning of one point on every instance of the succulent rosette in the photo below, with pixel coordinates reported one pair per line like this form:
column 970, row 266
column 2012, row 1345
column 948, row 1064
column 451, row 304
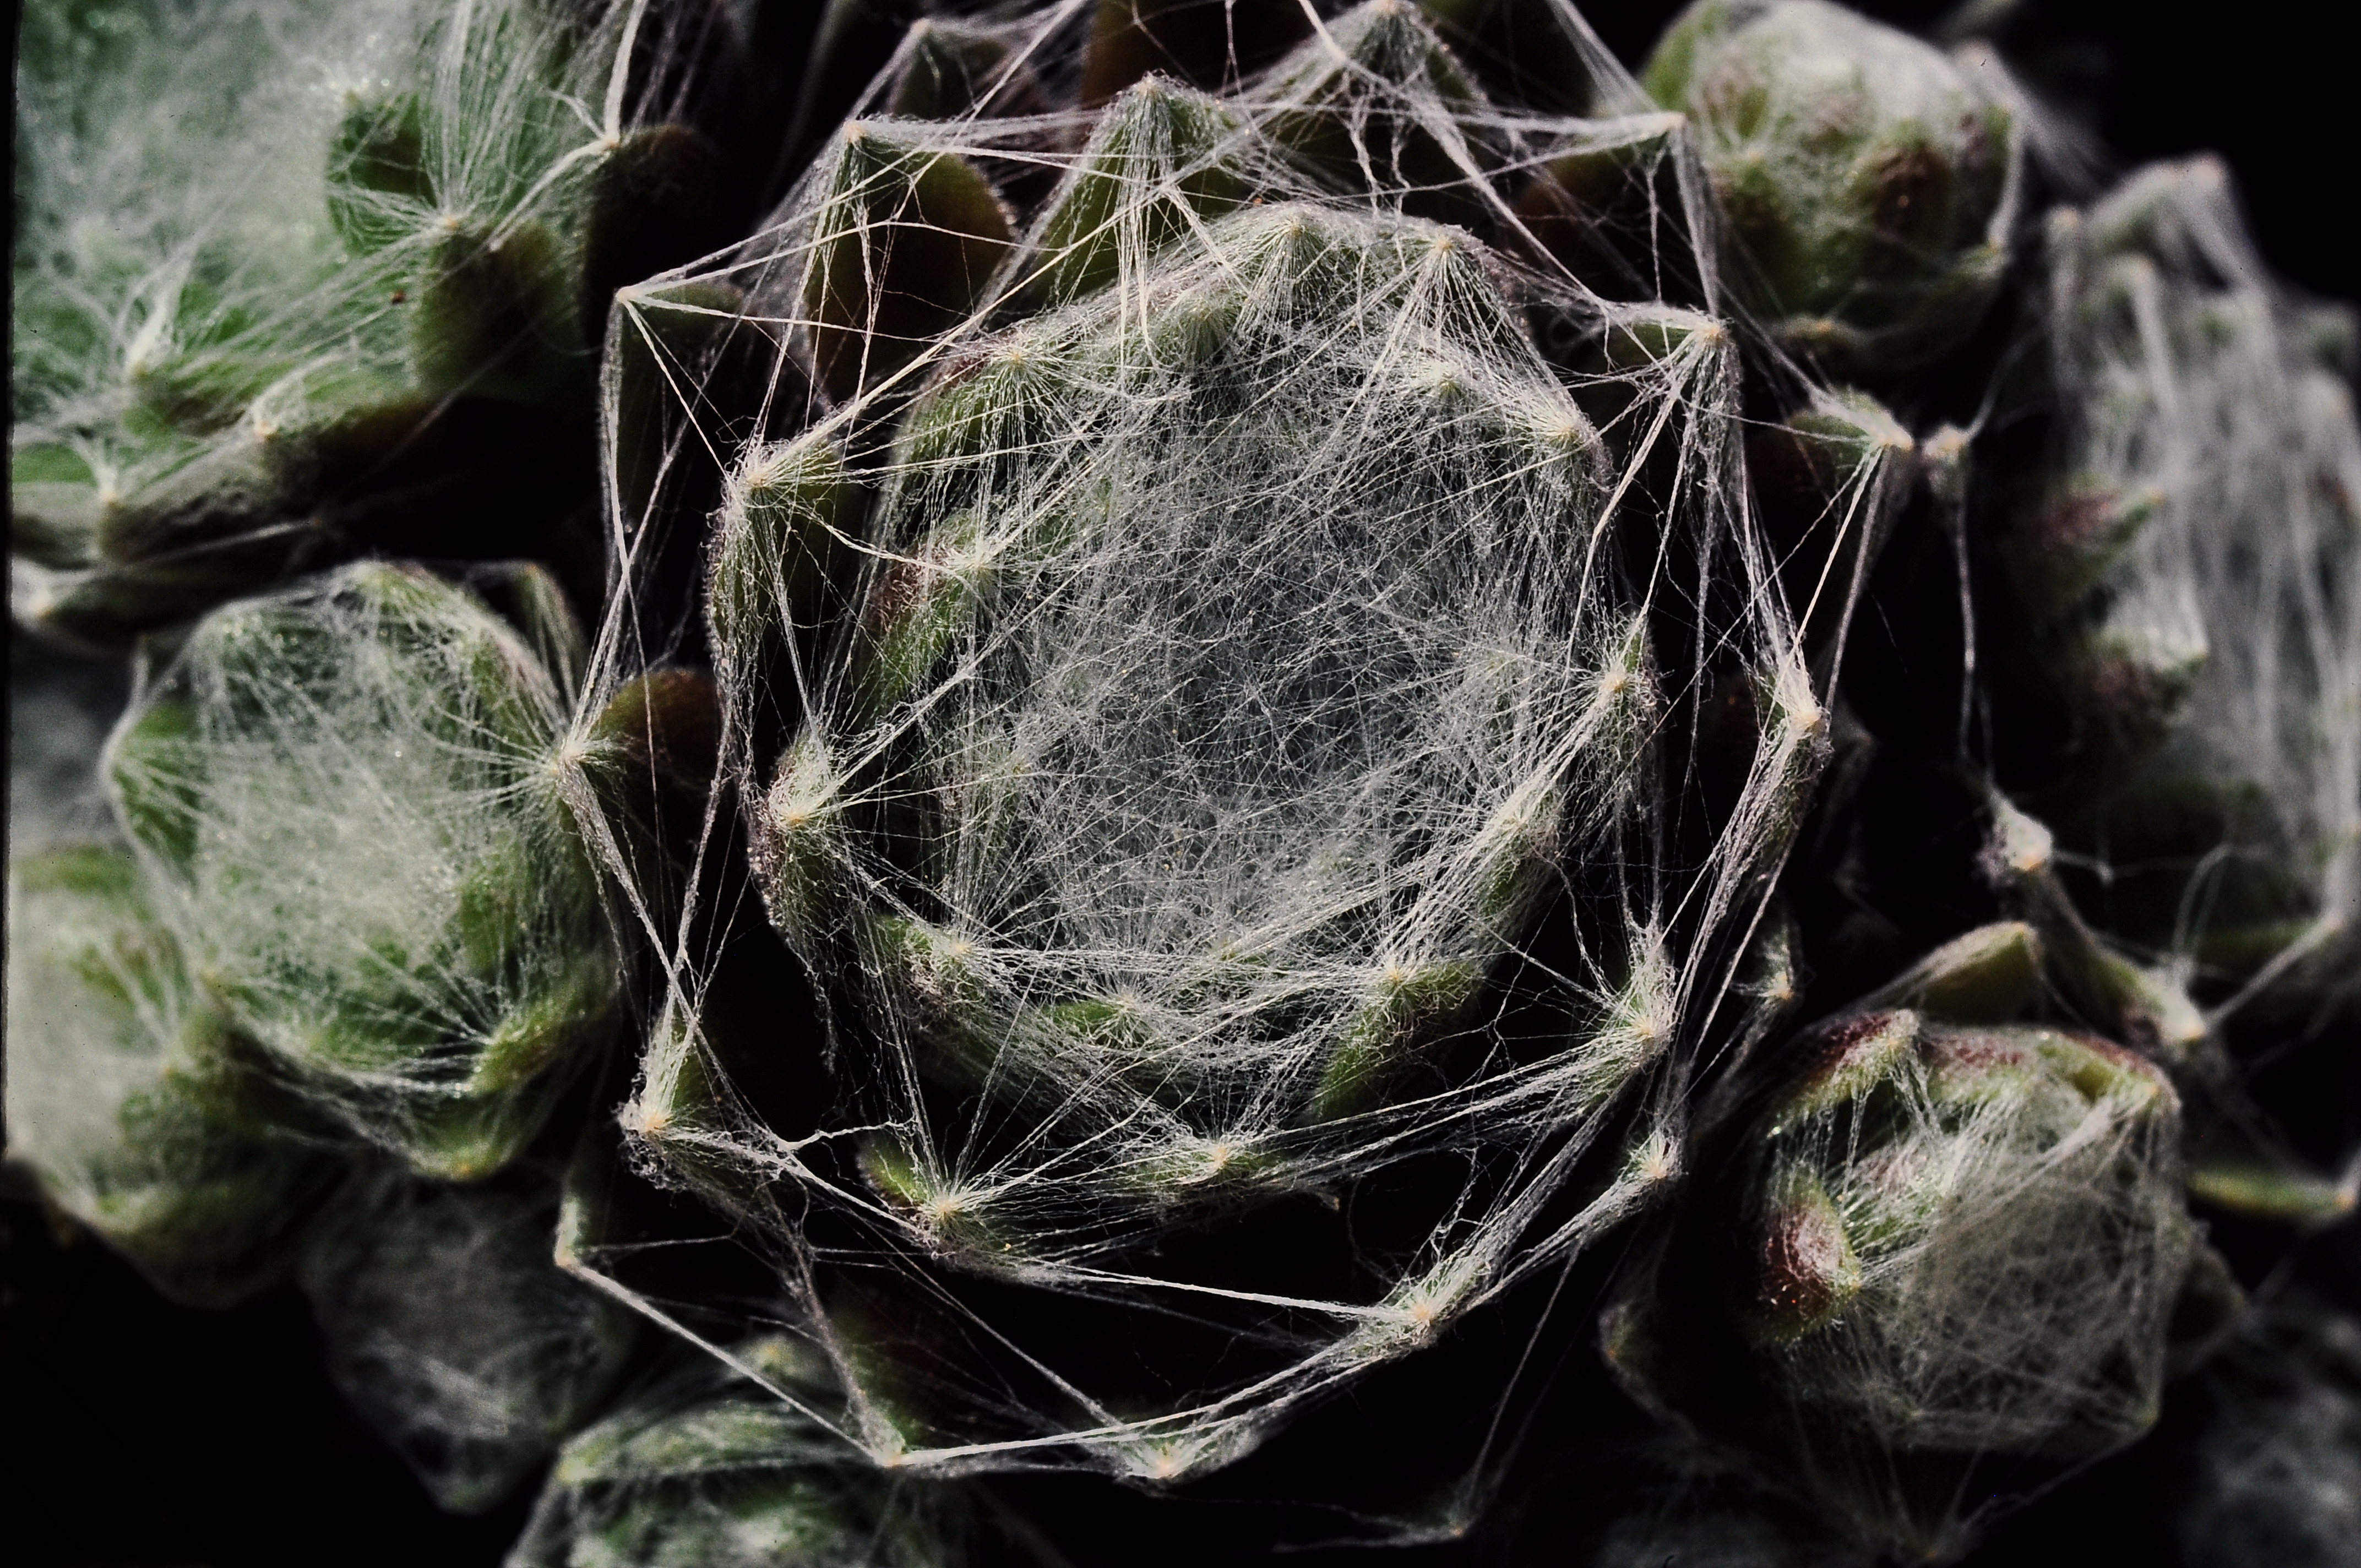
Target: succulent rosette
column 1868, row 1274
column 700, row 1470
column 360, row 313
column 1045, row 782
column 124, row 1090
column 474, row 1390
column 1393, row 927
column 384, row 753
column 2189, row 566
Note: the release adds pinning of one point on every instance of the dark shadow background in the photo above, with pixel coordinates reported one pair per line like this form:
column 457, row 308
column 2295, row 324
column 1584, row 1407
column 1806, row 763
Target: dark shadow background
column 134, row 1434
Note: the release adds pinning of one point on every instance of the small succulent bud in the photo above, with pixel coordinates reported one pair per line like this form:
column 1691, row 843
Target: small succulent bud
column 2181, row 704
column 1866, row 186
column 1955, row 1241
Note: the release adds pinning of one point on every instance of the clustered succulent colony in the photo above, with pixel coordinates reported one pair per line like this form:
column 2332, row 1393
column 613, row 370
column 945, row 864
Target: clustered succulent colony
column 1297, row 755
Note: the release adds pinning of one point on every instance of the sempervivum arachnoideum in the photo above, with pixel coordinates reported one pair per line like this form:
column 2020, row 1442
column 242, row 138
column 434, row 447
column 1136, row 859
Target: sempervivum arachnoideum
column 350, row 800
column 1159, row 785
column 1203, row 720
column 1937, row 1260
column 351, row 274
column 2188, row 560
column 129, row 1090
column 1867, row 184
column 701, row 1469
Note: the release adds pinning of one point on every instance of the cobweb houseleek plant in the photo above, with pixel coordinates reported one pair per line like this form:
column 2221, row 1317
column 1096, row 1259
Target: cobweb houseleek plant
column 903, row 782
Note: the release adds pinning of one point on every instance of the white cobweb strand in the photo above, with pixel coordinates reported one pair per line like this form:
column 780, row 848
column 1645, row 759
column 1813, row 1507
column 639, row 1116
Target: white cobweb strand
column 1285, row 645
column 1965, row 1242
